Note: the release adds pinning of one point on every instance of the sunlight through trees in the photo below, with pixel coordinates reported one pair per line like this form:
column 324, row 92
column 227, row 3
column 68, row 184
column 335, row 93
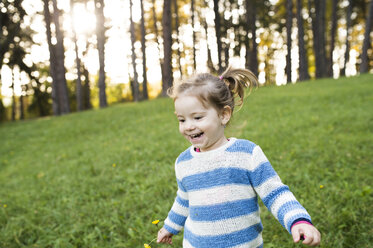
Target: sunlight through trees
column 62, row 56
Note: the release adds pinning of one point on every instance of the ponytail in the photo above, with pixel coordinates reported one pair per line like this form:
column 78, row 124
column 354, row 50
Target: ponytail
column 237, row 80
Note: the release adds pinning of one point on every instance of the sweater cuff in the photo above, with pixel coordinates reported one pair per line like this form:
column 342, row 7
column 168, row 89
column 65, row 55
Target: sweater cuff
column 171, row 230
column 299, row 221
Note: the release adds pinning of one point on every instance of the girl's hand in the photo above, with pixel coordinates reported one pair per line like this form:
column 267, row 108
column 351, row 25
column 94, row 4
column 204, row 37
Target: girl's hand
column 311, row 235
column 164, row 236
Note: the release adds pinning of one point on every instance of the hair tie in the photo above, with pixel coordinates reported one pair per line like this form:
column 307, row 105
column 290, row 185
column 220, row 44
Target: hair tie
column 221, row 77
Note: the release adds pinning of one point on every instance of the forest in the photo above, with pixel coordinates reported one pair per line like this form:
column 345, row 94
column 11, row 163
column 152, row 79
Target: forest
column 59, row 57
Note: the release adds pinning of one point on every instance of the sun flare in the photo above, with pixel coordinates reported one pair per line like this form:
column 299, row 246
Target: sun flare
column 83, row 19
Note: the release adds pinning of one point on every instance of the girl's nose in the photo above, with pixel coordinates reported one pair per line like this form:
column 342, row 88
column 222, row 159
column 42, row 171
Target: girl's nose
column 190, row 125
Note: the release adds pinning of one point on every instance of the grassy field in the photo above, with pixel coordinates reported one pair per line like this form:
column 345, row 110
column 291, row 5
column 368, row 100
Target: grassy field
column 98, row 178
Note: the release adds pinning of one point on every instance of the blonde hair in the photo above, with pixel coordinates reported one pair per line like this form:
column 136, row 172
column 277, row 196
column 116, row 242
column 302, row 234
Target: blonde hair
column 226, row 90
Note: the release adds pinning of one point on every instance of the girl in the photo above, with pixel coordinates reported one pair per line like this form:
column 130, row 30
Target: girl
column 219, row 179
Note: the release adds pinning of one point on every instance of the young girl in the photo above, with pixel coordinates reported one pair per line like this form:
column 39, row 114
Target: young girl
column 219, row 179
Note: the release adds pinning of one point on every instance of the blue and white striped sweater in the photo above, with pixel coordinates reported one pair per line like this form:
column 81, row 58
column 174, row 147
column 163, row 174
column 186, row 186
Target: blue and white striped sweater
column 217, row 203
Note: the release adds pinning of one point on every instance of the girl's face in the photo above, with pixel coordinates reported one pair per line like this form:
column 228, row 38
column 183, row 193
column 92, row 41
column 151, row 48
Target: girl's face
column 202, row 126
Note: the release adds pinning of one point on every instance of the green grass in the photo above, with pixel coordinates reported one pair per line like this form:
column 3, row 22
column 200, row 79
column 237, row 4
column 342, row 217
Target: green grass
column 98, row 178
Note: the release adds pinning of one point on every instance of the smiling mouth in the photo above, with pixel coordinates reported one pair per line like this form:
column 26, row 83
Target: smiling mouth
column 194, row 136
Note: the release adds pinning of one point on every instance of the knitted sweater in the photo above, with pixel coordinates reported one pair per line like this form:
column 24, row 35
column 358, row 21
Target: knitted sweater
column 217, row 202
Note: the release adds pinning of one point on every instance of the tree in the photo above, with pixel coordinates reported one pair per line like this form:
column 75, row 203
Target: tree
column 193, row 34
column 100, row 33
column 289, row 24
column 303, row 62
column 79, row 102
column 227, row 29
column 60, row 71
column 218, row 34
column 332, row 37
column 348, row 33
column 210, row 65
column 40, row 101
column 177, row 24
column 167, row 76
column 21, row 102
column 13, row 97
column 15, row 39
column 2, row 109
column 86, row 94
column 143, row 48
column 251, row 45
column 364, row 67
column 56, row 58
column 134, row 81
column 318, row 29
column 52, row 59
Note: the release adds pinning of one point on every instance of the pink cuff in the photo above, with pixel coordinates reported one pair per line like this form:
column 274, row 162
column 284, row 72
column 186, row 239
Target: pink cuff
column 300, row 222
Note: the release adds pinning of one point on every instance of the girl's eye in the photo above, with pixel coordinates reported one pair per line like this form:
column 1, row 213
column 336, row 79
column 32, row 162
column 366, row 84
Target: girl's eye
column 181, row 120
column 198, row 117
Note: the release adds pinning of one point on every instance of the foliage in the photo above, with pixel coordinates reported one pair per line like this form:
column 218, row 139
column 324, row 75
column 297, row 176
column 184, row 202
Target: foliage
column 99, row 178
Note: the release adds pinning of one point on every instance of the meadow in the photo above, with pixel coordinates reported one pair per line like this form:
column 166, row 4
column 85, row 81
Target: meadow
column 100, row 177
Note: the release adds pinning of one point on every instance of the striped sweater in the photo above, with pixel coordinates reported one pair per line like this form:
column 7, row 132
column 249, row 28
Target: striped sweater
column 217, row 202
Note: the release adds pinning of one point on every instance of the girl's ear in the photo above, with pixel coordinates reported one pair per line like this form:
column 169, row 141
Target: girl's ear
column 225, row 115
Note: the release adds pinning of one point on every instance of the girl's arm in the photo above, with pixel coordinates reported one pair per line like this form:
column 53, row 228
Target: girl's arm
column 179, row 212
column 278, row 198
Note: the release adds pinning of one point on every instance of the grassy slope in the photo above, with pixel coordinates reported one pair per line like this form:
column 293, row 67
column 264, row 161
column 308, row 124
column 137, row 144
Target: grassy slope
column 98, row 178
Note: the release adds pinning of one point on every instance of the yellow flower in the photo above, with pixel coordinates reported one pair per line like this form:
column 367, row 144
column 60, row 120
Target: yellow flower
column 114, row 165
column 155, row 222
column 5, row 205
column 40, row 175
column 147, row 246
column 321, row 186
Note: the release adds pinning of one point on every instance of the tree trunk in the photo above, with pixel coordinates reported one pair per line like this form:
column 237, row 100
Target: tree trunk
column 52, row 59
column 332, row 37
column 254, row 52
column 60, row 66
column 194, row 35
column 79, row 105
column 227, row 24
column 218, row 33
column 348, row 29
column 248, row 17
column 143, row 47
column 167, row 76
column 289, row 24
column 21, row 99
column 2, row 111
column 86, row 90
column 321, row 18
column 100, row 33
column 364, row 67
column 13, row 98
column 2, row 108
column 303, row 61
column 210, row 65
column 177, row 24
column 135, row 83
column 251, row 47
column 21, row 108
column 318, row 30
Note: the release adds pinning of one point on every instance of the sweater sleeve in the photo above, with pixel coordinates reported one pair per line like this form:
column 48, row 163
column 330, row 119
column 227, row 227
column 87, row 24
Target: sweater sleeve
column 179, row 212
column 275, row 195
